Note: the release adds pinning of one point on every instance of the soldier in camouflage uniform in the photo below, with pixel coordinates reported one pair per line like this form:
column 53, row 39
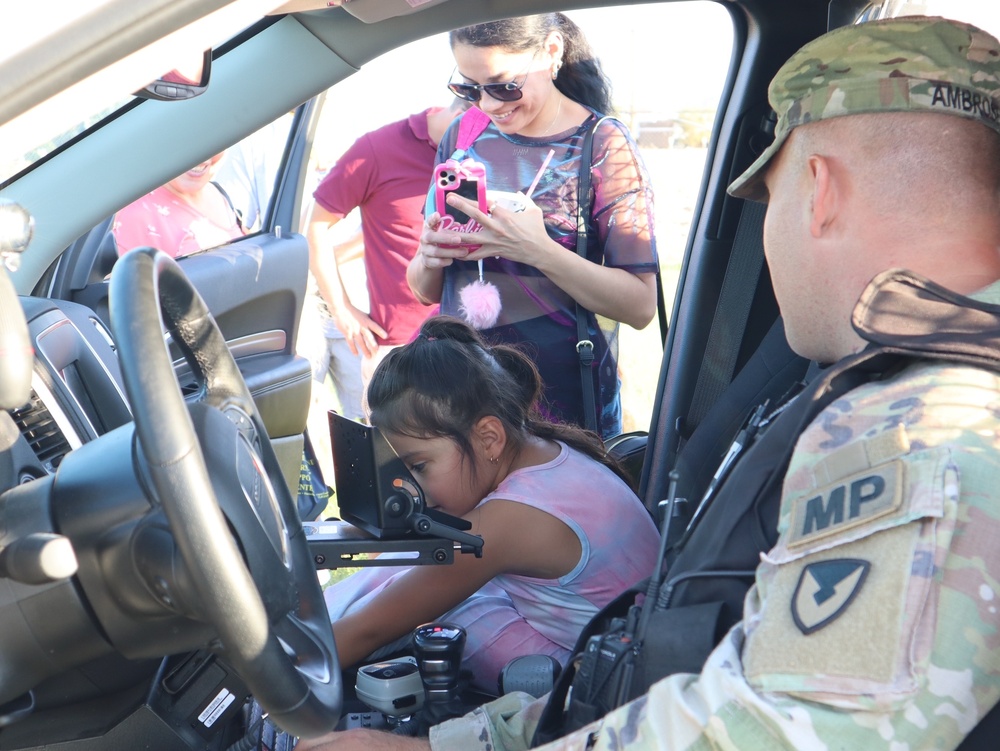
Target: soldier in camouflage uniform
column 874, row 622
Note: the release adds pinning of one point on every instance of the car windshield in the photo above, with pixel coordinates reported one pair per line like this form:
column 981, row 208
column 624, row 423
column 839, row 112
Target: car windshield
column 22, row 147
column 53, row 118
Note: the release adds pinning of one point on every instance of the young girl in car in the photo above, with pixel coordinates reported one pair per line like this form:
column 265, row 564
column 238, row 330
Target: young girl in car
column 563, row 531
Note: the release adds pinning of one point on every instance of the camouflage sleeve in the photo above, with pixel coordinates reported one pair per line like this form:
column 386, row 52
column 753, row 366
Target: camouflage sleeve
column 506, row 724
column 873, row 622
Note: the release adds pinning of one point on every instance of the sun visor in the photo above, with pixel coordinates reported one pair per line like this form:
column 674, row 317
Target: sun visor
column 373, row 11
column 369, row 11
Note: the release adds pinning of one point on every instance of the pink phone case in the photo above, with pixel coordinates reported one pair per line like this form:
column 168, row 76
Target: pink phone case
column 468, row 179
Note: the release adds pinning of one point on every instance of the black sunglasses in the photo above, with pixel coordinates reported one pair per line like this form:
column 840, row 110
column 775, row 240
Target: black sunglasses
column 502, row 92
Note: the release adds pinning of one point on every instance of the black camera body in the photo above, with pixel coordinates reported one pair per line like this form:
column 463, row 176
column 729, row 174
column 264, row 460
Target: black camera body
column 367, row 470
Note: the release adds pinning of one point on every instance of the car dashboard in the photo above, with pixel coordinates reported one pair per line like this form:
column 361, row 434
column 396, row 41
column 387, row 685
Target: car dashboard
column 76, row 387
column 77, row 395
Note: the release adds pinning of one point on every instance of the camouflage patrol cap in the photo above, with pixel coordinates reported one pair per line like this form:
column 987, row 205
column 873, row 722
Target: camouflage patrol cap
column 906, row 64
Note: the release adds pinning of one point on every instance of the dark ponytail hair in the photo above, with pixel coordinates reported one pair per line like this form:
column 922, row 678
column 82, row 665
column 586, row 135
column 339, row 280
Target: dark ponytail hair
column 581, row 77
column 445, row 380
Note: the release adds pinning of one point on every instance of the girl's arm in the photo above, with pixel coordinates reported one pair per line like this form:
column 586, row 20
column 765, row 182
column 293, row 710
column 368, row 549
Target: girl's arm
column 516, row 539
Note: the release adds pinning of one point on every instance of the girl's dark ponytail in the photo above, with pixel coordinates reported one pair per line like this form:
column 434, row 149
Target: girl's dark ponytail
column 523, row 371
column 525, row 374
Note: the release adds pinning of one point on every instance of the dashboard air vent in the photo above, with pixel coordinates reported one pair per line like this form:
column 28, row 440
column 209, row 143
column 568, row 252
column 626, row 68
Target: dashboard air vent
column 39, row 428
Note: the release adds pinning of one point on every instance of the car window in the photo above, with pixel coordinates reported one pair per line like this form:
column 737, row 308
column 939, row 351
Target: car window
column 667, row 64
column 249, row 170
column 215, row 202
column 56, row 120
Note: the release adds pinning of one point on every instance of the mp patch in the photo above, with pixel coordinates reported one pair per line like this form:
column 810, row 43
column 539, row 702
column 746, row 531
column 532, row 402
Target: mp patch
column 847, row 503
column 825, row 590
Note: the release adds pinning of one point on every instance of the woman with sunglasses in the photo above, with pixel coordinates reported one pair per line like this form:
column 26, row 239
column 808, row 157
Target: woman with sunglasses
column 543, row 89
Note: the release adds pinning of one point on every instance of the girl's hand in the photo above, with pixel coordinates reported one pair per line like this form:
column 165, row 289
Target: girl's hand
column 431, row 250
column 518, row 236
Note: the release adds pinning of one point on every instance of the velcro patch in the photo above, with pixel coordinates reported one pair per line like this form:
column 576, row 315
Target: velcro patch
column 838, row 613
column 824, row 591
column 846, row 503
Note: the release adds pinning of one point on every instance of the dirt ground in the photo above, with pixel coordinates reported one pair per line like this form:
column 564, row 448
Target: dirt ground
column 676, row 175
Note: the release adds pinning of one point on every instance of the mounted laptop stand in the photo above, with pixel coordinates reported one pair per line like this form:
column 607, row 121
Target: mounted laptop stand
column 383, row 509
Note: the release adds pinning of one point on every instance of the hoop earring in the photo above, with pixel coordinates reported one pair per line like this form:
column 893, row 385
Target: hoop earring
column 555, row 70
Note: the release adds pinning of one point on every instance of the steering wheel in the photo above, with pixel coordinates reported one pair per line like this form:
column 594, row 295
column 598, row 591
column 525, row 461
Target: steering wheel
column 270, row 617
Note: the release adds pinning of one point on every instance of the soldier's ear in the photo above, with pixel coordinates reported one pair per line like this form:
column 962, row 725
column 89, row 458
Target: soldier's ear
column 827, row 193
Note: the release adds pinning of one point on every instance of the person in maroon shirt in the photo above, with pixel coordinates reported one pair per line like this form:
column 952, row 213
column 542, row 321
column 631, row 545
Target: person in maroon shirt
column 385, row 173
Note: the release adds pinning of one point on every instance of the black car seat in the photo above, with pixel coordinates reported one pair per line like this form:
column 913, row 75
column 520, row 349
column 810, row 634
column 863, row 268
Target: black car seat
column 985, row 735
column 772, row 370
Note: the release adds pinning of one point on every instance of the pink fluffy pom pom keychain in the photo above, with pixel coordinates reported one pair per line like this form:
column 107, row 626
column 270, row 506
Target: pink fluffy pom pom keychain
column 479, row 302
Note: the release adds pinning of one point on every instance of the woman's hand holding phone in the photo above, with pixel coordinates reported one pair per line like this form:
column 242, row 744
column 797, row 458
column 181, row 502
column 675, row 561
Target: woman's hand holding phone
column 437, row 248
column 517, row 234
column 509, row 225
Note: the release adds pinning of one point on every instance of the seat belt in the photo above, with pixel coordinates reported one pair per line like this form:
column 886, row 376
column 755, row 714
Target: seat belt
column 731, row 313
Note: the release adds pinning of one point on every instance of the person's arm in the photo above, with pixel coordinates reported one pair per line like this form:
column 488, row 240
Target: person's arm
column 473, row 732
column 363, row 740
column 421, row 595
column 611, row 292
column 425, row 272
column 358, row 328
column 516, row 538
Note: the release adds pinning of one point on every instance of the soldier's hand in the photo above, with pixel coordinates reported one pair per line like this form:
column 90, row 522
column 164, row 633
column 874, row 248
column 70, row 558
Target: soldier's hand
column 363, row 740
